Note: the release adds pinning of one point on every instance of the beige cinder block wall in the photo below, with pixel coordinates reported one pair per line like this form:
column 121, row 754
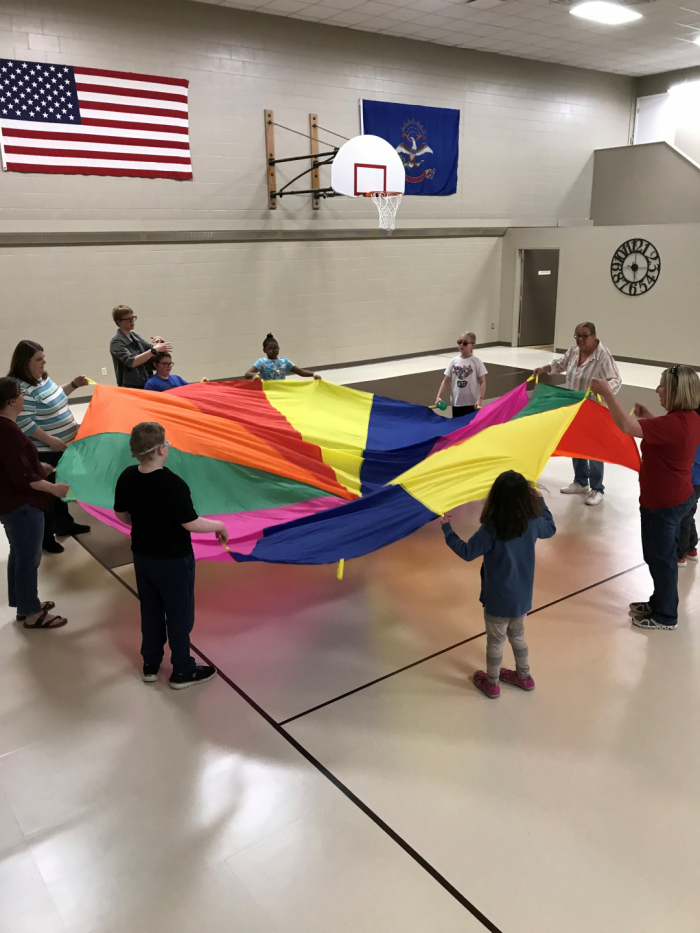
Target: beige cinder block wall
column 528, row 131
column 662, row 325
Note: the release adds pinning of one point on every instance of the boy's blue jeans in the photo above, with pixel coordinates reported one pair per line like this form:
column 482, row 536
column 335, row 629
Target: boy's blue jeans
column 166, row 592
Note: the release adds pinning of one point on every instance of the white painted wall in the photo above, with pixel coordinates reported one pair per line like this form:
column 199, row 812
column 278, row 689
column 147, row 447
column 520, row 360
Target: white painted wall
column 327, row 302
column 528, row 133
column 528, row 128
column 661, row 325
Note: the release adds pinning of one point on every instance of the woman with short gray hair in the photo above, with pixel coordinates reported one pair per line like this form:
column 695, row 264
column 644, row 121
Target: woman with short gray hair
column 586, row 360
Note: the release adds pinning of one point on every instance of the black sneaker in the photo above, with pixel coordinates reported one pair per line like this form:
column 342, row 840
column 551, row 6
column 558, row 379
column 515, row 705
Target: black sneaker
column 75, row 529
column 150, row 673
column 199, row 675
column 52, row 547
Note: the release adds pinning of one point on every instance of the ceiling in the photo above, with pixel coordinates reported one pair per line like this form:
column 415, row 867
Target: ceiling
column 537, row 29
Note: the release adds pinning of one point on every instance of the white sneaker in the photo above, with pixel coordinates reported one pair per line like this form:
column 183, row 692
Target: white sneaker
column 594, row 497
column 575, row 490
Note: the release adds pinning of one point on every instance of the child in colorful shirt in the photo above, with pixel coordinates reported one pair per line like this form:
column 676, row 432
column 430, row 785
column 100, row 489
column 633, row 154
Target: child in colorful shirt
column 467, row 375
column 274, row 366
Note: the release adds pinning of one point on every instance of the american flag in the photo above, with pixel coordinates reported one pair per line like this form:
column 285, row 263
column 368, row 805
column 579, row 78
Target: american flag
column 88, row 121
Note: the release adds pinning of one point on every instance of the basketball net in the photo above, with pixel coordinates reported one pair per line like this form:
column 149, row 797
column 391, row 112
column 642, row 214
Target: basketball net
column 387, row 204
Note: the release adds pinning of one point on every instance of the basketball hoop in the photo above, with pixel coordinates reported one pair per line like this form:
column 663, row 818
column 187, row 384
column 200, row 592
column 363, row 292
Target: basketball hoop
column 387, row 204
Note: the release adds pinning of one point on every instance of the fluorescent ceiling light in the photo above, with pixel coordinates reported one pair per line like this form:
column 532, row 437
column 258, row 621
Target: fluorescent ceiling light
column 600, row 11
column 686, row 88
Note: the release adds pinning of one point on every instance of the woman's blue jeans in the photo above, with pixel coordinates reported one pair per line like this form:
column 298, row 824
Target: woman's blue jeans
column 661, row 529
column 589, row 473
column 25, row 531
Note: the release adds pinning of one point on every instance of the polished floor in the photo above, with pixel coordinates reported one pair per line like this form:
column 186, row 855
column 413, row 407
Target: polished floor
column 343, row 774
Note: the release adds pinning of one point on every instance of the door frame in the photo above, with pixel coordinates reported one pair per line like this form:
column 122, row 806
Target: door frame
column 518, row 292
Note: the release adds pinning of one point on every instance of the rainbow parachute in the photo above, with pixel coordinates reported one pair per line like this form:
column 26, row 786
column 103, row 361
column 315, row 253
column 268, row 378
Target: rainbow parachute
column 312, row 473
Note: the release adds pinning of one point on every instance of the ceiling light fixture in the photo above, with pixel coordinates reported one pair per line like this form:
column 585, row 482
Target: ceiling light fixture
column 696, row 40
column 601, row 11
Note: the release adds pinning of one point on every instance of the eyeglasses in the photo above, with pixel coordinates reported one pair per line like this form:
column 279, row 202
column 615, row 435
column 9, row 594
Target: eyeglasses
column 133, row 317
column 157, row 447
column 466, row 343
column 582, row 336
column 163, row 363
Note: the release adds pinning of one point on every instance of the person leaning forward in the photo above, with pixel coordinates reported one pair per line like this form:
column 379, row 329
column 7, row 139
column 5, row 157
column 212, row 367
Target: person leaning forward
column 131, row 354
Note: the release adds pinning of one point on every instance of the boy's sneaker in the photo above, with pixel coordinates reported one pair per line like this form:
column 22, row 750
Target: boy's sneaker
column 682, row 562
column 511, row 677
column 649, row 623
column 640, row 609
column 199, row 675
column 150, row 673
column 692, row 555
column 492, row 691
column 575, row 490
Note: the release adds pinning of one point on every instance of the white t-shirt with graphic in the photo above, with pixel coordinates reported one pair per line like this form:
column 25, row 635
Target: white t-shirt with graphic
column 465, row 379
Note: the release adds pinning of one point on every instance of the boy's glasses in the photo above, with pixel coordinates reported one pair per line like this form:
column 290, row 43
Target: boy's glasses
column 163, row 363
column 133, row 317
column 465, row 343
column 157, row 447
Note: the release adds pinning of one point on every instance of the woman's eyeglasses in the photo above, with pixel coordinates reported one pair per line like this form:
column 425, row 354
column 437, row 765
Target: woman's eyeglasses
column 582, row 336
column 132, row 318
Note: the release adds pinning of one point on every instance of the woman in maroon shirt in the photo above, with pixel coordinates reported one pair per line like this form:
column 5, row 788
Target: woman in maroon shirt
column 24, row 495
column 665, row 483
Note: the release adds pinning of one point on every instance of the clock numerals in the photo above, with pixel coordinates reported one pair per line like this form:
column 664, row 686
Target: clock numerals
column 635, row 267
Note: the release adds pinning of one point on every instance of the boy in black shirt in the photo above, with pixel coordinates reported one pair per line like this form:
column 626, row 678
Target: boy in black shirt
column 157, row 505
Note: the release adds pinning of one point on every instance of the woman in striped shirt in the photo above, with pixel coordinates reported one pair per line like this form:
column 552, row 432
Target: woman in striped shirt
column 587, row 359
column 49, row 423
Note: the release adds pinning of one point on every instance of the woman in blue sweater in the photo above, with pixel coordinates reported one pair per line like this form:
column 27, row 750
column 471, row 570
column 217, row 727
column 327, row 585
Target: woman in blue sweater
column 513, row 518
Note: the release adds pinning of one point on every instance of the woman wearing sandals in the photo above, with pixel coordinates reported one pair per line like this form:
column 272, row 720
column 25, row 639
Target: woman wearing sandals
column 24, row 496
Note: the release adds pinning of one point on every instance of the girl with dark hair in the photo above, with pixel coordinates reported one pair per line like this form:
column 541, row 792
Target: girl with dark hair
column 274, row 366
column 49, row 423
column 513, row 518
column 24, row 495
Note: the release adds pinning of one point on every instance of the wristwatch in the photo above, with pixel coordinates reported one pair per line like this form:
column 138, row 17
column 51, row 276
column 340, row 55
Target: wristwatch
column 154, row 352
column 72, row 382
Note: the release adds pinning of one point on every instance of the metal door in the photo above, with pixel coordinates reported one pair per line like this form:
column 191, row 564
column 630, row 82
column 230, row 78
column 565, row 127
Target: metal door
column 538, row 297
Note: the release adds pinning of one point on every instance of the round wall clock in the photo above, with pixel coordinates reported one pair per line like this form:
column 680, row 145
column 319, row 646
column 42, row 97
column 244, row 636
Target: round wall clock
column 635, row 267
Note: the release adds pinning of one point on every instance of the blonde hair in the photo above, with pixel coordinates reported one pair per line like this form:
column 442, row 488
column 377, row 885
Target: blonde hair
column 145, row 439
column 682, row 387
column 469, row 334
column 120, row 312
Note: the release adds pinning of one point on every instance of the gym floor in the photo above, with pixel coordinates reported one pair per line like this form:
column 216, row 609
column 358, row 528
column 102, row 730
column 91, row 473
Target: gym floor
column 343, row 774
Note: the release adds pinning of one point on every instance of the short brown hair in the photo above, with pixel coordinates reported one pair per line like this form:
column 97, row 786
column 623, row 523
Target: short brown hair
column 19, row 367
column 145, row 439
column 161, row 356
column 682, row 388
column 120, row 312
column 9, row 390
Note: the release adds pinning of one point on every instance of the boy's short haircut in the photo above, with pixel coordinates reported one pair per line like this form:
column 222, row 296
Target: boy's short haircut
column 161, row 356
column 145, row 439
column 470, row 335
column 120, row 312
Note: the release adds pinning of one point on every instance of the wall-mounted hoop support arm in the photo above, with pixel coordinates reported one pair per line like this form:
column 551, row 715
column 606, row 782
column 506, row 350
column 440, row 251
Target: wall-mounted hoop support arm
column 317, row 160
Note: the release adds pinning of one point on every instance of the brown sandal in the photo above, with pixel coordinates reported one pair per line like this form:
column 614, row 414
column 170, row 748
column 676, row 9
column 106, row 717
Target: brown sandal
column 45, row 607
column 44, row 620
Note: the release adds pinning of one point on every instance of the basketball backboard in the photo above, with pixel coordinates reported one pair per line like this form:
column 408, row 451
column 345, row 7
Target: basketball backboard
column 367, row 163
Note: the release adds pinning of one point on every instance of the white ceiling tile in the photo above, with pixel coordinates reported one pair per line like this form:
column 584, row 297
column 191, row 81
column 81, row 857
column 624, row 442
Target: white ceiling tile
column 536, row 29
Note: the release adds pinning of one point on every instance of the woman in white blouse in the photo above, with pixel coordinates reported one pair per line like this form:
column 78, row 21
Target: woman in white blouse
column 587, row 359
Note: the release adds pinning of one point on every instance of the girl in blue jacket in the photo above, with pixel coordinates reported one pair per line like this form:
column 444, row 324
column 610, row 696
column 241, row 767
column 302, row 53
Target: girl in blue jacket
column 513, row 518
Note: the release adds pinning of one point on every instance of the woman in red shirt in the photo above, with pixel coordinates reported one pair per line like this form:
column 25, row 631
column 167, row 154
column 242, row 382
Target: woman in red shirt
column 665, row 483
column 24, row 496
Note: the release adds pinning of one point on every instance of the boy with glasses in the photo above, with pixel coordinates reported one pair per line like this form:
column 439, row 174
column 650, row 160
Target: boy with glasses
column 467, row 375
column 164, row 378
column 156, row 503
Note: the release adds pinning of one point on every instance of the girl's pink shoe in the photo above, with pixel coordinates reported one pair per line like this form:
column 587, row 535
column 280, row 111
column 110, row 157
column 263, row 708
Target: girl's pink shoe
column 511, row 677
column 492, row 691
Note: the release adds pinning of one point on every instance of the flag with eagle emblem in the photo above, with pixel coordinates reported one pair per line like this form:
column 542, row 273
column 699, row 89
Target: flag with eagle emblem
column 426, row 139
